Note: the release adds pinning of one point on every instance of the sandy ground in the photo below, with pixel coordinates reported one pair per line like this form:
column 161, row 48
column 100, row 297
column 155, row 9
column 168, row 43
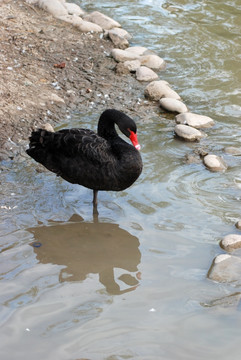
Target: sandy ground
column 33, row 45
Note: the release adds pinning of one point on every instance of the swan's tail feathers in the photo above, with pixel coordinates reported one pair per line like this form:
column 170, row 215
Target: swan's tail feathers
column 41, row 144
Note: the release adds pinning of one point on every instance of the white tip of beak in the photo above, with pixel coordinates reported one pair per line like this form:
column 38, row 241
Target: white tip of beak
column 138, row 147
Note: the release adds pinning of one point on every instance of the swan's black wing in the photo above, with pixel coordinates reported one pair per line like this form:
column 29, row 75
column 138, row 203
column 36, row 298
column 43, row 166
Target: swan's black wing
column 69, row 143
column 77, row 155
column 84, row 143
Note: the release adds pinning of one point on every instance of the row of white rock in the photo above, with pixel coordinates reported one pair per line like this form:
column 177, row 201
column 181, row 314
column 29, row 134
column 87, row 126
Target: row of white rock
column 227, row 267
column 139, row 59
column 143, row 62
column 73, row 14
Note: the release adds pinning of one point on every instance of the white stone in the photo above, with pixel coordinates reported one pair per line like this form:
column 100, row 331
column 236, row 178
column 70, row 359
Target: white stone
column 69, row 18
column 86, row 26
column 158, row 89
column 48, row 127
column 173, row 105
column 214, row 163
column 225, row 268
column 137, row 50
column 221, row 258
column 54, row 7
column 55, row 98
column 152, row 61
column 132, row 65
column 102, row 20
column 231, row 242
column 120, row 32
column 82, row 25
column 119, row 37
column 187, row 132
column 34, row 2
column 123, row 55
column 194, row 120
column 143, row 73
column 74, row 9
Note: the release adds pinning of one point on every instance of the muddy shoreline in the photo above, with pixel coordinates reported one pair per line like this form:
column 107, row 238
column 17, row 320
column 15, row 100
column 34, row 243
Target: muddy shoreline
column 35, row 90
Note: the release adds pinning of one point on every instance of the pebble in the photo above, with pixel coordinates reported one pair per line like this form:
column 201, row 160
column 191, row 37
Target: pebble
column 119, row 37
column 188, row 133
column 231, row 242
column 57, row 99
column 82, row 25
column 123, row 55
column 120, row 32
column 121, row 69
column 138, row 50
column 173, row 105
column 102, row 20
column 54, row 7
column 238, row 224
column 153, row 62
column 86, row 26
column 143, row 73
column 158, row 89
column 214, row 163
column 131, row 53
column 48, row 127
column 194, row 120
column 73, row 9
column 225, row 268
column 132, row 65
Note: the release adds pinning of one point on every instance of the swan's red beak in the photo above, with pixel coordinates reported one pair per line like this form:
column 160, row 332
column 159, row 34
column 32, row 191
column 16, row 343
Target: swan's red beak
column 134, row 140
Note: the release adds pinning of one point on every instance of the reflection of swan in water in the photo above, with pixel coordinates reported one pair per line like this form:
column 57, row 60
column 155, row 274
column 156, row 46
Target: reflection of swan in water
column 85, row 248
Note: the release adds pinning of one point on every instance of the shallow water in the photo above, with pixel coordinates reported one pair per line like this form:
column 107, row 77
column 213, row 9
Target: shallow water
column 134, row 285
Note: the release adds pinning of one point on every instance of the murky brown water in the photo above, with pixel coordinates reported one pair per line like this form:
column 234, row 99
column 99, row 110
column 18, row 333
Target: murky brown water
column 133, row 285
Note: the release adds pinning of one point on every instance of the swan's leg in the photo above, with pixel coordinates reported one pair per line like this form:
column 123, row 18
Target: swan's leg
column 95, row 193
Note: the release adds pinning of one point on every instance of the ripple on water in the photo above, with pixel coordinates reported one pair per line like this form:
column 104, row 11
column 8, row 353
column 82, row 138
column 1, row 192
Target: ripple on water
column 178, row 211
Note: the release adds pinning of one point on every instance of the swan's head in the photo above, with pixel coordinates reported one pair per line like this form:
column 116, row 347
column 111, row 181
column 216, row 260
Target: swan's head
column 128, row 128
column 126, row 125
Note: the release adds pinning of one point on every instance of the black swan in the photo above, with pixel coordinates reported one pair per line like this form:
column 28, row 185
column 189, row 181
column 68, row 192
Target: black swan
column 102, row 161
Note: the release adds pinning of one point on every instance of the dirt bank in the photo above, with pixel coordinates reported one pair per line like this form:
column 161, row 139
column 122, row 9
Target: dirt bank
column 42, row 57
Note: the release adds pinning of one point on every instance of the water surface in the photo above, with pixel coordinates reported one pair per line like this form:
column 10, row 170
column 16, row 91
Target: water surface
column 133, row 285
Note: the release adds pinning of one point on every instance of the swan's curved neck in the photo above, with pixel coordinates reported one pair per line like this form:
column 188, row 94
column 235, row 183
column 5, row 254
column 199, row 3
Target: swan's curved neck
column 106, row 126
